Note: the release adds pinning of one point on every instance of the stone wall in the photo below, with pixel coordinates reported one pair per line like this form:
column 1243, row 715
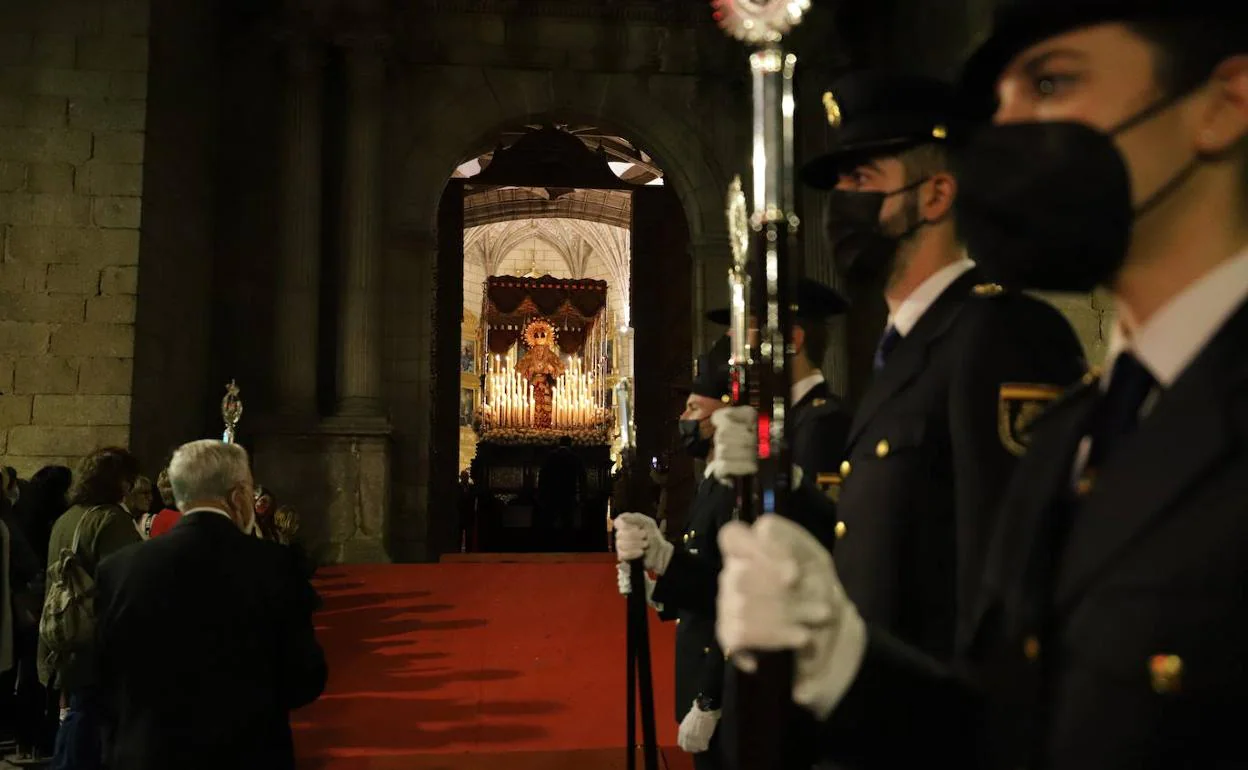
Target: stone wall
column 73, row 84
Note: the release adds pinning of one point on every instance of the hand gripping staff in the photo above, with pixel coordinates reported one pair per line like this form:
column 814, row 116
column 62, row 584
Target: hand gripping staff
column 637, row 676
column 767, row 264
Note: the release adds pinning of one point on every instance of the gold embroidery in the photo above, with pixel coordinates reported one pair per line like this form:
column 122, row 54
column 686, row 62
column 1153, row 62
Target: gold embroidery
column 1018, row 406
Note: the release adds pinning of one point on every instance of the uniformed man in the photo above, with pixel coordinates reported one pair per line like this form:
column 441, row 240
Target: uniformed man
column 685, row 586
column 686, row 575
column 1111, row 630
column 963, row 365
column 818, row 421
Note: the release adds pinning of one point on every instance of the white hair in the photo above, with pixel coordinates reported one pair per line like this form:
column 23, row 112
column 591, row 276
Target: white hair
column 207, row 470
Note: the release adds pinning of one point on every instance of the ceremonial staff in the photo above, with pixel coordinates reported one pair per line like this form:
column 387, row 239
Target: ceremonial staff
column 762, row 285
column 231, row 411
column 637, row 633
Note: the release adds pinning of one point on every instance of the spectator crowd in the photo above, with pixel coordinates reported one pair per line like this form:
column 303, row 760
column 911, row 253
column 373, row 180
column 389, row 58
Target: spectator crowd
column 152, row 625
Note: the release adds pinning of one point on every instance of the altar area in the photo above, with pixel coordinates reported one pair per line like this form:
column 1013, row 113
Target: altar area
column 547, row 367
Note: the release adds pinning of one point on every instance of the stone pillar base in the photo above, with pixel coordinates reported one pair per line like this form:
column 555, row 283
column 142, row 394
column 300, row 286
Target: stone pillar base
column 338, row 481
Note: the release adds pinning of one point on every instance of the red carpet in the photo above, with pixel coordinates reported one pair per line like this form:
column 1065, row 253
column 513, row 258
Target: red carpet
column 473, row 665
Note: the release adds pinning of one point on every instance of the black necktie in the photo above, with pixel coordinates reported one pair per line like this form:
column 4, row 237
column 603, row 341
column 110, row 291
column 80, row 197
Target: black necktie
column 888, row 341
column 1119, row 410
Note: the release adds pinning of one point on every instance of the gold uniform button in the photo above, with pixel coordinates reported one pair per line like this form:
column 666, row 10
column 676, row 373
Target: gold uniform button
column 686, row 538
column 845, row 469
column 840, row 530
column 678, row 621
column 1166, row 672
column 1031, row 648
column 882, row 448
column 706, row 650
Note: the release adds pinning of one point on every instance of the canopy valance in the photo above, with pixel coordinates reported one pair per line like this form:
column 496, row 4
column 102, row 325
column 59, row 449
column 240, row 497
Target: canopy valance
column 571, row 304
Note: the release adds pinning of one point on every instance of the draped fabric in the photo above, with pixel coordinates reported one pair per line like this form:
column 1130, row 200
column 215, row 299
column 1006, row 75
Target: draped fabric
column 502, row 339
column 572, row 305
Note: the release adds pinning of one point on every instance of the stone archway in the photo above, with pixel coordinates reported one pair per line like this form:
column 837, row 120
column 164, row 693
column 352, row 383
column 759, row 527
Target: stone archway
column 694, row 167
column 484, row 103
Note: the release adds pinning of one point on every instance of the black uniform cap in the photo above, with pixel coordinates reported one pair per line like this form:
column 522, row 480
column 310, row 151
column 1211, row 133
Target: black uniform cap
column 879, row 113
column 815, row 302
column 1020, row 24
column 712, row 378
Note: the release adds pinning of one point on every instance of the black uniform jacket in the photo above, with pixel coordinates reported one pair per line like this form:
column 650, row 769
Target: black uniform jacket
column 205, row 645
column 687, row 591
column 931, row 447
column 690, row 584
column 817, row 426
column 1112, row 628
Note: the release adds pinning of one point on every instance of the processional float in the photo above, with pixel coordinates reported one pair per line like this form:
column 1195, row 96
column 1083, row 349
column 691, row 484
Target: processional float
column 767, row 264
column 544, row 371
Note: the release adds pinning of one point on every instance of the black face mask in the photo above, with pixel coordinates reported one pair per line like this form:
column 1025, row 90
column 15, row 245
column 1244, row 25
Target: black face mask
column 1047, row 206
column 862, row 247
column 696, row 445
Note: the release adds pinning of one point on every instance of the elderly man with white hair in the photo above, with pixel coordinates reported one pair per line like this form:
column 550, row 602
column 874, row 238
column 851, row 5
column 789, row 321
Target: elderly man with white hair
column 205, row 634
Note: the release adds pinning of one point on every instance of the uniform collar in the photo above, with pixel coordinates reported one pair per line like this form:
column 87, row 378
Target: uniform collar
column 907, row 313
column 1168, row 342
column 804, row 386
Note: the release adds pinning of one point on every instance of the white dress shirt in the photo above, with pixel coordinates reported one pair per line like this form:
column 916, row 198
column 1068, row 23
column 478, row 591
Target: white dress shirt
column 804, row 386
column 1167, row 343
column 907, row 313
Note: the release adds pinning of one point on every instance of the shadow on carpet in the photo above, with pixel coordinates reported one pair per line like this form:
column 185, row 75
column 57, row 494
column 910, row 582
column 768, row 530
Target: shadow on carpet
column 467, row 665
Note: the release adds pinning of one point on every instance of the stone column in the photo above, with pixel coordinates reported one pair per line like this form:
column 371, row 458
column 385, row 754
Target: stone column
column 359, row 327
column 299, row 264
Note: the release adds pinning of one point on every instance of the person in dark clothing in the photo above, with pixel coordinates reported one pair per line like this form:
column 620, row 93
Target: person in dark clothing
column 42, row 503
column 684, row 588
column 467, row 510
column 20, row 684
column 98, row 525
column 233, row 615
column 1109, row 630
column 818, row 421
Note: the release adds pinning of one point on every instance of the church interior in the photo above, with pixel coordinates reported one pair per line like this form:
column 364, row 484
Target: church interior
column 432, row 244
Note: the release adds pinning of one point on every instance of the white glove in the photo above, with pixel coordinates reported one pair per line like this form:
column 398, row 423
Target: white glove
column 735, row 443
column 636, row 536
column 778, row 590
column 696, row 729
column 623, row 579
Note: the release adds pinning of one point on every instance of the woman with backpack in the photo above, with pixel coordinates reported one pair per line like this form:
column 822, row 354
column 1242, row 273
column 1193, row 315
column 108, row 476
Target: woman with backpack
column 95, row 526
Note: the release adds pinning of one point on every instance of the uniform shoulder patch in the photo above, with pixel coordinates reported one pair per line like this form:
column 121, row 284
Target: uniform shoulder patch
column 987, row 289
column 1018, row 406
column 830, row 485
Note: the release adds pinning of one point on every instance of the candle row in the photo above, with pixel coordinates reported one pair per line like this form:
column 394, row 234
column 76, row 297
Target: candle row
column 509, row 400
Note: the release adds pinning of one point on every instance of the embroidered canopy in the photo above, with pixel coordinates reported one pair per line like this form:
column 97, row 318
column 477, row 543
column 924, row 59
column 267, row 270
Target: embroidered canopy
column 571, row 304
